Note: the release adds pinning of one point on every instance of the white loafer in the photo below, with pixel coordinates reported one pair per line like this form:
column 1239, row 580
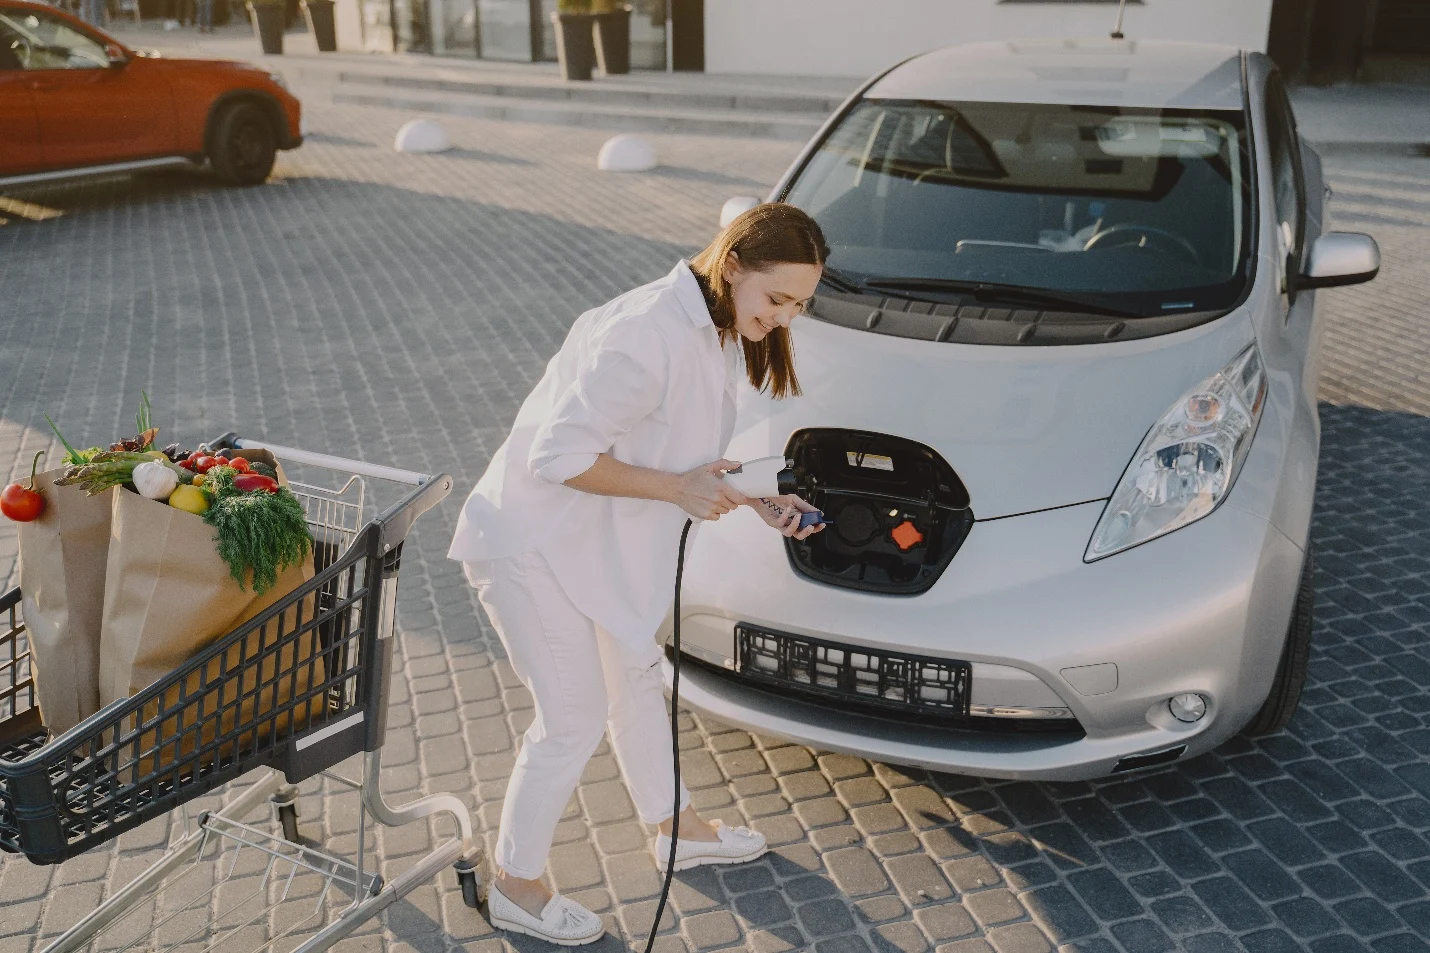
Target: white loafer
column 563, row 921
column 735, row 846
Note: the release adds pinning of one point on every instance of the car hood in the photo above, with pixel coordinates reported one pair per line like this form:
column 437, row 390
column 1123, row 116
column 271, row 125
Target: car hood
column 168, row 61
column 1026, row 428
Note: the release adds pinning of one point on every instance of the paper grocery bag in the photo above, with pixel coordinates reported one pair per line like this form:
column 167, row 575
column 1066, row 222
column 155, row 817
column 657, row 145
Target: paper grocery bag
column 62, row 565
column 167, row 596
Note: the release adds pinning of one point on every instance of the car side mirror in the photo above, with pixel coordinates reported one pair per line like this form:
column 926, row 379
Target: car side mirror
column 1340, row 258
column 115, row 54
column 735, row 207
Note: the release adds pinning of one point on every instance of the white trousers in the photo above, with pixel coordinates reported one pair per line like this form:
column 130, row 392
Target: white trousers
column 584, row 684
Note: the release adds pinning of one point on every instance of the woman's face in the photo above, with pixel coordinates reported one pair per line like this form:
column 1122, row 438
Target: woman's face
column 769, row 298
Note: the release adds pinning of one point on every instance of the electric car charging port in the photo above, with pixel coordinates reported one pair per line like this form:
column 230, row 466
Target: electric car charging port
column 897, row 511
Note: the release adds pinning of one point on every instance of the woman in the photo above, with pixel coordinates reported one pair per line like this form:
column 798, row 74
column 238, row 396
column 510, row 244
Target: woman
column 570, row 537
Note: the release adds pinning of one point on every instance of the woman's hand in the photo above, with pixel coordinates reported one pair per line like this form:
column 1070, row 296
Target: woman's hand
column 703, row 492
column 783, row 513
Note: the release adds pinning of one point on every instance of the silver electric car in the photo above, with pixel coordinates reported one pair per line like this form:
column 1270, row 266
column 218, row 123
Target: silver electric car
column 1060, row 406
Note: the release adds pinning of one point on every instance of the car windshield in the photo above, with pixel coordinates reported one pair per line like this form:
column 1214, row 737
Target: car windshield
column 1135, row 211
column 40, row 41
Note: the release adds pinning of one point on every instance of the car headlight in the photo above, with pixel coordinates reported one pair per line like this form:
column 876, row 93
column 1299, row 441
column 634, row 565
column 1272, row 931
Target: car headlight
column 1188, row 461
column 278, row 78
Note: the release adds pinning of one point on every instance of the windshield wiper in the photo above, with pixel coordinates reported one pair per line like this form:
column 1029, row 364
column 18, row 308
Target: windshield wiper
column 843, row 281
column 840, row 281
column 997, row 293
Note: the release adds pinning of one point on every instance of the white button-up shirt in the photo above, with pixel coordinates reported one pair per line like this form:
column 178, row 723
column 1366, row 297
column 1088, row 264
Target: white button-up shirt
column 643, row 378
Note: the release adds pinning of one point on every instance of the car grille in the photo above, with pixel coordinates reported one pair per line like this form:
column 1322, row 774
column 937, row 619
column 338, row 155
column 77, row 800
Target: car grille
column 857, row 677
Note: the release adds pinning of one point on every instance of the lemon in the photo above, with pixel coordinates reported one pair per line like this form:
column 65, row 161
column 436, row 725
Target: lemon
column 190, row 499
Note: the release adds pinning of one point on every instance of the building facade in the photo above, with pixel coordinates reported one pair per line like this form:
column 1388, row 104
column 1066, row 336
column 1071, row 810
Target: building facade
column 515, row 30
column 858, row 37
column 1319, row 41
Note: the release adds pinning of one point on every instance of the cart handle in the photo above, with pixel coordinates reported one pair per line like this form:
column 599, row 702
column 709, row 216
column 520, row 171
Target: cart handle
column 397, row 519
column 393, row 474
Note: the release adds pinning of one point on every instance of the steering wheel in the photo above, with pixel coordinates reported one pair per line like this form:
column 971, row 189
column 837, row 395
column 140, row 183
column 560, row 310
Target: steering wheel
column 1133, row 233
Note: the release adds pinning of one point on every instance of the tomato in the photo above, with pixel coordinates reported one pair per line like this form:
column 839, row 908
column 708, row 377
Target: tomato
column 194, row 456
column 21, row 504
column 239, row 464
column 186, row 465
column 24, row 504
column 206, row 463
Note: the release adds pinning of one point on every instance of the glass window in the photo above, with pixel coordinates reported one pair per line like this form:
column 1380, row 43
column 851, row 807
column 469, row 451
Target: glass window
column 409, row 23
column 377, row 25
column 1141, row 210
column 648, row 34
column 548, row 31
column 39, row 41
column 1283, row 144
column 505, row 29
column 458, row 29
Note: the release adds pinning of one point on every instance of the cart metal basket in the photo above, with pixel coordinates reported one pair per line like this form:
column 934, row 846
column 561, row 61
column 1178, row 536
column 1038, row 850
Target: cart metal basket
column 198, row 729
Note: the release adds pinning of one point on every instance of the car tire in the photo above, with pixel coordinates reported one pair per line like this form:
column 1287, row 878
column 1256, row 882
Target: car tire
column 1280, row 705
column 243, row 145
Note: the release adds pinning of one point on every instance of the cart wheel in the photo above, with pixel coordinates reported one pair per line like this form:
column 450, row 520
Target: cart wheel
column 472, row 893
column 288, row 817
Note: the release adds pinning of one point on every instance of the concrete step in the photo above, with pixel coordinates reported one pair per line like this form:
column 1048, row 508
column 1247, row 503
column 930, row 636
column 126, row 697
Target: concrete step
column 1361, row 119
column 756, row 124
column 1397, row 68
column 611, row 91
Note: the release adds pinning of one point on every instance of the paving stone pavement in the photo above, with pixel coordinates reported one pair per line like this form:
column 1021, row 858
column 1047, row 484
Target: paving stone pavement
column 398, row 307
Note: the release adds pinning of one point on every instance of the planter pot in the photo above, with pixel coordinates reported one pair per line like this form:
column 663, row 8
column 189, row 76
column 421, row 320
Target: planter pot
column 268, row 24
column 575, row 44
column 322, row 24
column 613, row 42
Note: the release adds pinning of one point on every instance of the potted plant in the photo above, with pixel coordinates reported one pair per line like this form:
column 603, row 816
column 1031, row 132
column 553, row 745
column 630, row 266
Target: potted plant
column 268, row 21
column 321, row 23
column 575, row 42
column 613, row 36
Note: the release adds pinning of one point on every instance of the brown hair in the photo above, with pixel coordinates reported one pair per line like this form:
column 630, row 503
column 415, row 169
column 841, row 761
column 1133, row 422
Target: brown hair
column 773, row 233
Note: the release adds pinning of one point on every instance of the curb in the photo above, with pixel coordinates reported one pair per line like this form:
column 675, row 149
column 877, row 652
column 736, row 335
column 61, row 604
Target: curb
column 817, row 107
column 794, row 130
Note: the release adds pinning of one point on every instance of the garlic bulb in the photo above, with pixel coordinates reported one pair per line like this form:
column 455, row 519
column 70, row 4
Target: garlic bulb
column 155, row 480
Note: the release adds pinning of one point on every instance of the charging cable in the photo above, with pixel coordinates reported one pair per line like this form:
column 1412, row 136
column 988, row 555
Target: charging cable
column 674, row 740
column 805, row 520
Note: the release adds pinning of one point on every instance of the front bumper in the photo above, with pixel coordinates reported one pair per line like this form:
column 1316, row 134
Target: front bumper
column 1204, row 609
column 293, row 122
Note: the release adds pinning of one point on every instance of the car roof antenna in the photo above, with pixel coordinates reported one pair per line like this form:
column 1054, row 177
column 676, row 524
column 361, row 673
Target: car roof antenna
column 1117, row 28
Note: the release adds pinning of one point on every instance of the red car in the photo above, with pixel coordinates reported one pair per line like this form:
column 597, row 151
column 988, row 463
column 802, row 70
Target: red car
column 75, row 101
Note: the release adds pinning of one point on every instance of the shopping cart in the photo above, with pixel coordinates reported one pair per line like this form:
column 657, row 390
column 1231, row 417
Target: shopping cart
column 131, row 762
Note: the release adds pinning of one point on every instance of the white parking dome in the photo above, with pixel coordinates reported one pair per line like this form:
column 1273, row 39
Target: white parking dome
column 422, row 135
column 626, row 153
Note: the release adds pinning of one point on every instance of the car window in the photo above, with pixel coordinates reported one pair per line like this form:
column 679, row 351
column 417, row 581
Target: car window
column 1145, row 210
column 39, row 41
column 1282, row 143
column 10, row 46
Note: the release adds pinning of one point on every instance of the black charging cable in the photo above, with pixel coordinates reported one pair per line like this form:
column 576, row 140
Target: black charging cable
column 674, row 739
